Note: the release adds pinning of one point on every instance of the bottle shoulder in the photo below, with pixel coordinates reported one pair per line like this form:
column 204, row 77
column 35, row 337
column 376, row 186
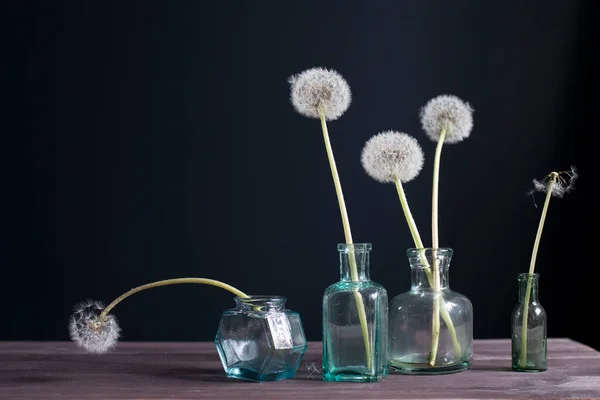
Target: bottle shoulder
column 362, row 286
column 428, row 295
column 534, row 308
column 344, row 285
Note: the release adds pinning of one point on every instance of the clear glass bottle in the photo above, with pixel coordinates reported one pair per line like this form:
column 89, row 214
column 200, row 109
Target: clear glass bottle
column 355, row 321
column 260, row 340
column 528, row 324
column 412, row 347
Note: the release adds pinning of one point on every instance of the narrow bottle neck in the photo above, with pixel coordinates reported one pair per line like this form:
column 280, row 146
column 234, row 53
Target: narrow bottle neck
column 354, row 261
column 424, row 263
column 261, row 303
column 528, row 283
column 422, row 278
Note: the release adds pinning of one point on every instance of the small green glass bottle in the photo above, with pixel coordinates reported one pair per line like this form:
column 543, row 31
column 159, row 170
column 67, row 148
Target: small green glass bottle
column 355, row 321
column 529, row 332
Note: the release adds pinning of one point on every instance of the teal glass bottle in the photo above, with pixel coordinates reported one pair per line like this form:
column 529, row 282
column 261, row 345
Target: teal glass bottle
column 355, row 321
column 260, row 340
column 529, row 332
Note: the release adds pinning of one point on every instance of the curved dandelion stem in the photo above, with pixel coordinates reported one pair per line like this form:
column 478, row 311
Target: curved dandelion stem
column 362, row 316
column 166, row 282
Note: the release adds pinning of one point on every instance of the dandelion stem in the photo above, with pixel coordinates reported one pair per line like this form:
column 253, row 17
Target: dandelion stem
column 419, row 245
column 362, row 316
column 167, row 282
column 435, row 323
column 523, row 355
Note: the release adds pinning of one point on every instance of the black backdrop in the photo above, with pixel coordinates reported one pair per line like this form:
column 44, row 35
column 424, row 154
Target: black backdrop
column 146, row 139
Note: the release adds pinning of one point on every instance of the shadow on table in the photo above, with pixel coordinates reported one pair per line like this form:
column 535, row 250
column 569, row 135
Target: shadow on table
column 34, row 379
column 190, row 373
column 490, row 368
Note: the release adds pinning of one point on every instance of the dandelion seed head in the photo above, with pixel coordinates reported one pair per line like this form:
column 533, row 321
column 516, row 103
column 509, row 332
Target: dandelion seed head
column 319, row 88
column 90, row 332
column 563, row 182
column 392, row 155
column 450, row 112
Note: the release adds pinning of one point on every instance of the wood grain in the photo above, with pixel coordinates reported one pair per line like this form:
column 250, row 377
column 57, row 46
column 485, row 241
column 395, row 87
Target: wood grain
column 184, row 371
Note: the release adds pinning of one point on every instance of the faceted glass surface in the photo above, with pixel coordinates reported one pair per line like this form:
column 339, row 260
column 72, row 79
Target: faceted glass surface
column 260, row 340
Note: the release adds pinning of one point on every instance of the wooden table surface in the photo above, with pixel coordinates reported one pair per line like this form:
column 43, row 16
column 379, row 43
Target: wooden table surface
column 144, row 371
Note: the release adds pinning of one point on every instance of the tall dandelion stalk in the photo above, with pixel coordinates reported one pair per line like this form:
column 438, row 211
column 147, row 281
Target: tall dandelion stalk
column 324, row 94
column 445, row 119
column 396, row 157
column 554, row 184
column 93, row 328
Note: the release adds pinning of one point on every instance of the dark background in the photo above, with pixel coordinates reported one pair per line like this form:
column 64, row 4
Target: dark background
column 146, row 140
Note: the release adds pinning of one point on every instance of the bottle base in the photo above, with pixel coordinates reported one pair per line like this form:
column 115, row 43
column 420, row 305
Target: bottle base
column 348, row 376
column 251, row 375
column 412, row 368
column 529, row 368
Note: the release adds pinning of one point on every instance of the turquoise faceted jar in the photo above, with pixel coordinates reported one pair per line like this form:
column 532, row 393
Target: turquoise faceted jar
column 260, row 340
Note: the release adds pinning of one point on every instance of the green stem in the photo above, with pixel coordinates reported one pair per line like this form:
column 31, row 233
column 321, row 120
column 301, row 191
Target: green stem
column 419, row 245
column 166, row 282
column 538, row 236
column 435, row 324
column 362, row 316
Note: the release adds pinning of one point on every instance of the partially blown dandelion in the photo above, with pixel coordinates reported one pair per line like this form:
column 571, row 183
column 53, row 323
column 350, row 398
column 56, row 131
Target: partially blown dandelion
column 554, row 184
column 92, row 328
column 325, row 95
column 445, row 119
column 396, row 157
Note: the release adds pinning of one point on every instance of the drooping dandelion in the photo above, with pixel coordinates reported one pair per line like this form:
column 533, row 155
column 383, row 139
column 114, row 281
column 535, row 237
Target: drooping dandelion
column 94, row 329
column 445, row 119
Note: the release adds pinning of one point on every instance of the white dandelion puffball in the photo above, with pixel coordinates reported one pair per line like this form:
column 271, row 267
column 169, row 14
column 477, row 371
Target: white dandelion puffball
column 561, row 185
column 392, row 155
column 450, row 112
column 91, row 333
column 318, row 89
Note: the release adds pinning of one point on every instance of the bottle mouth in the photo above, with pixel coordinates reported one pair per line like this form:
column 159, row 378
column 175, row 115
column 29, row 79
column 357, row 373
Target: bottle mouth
column 261, row 300
column 523, row 276
column 356, row 247
column 429, row 252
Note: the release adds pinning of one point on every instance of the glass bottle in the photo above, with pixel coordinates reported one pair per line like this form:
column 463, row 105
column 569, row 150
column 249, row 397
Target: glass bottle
column 355, row 321
column 260, row 340
column 412, row 344
column 528, row 324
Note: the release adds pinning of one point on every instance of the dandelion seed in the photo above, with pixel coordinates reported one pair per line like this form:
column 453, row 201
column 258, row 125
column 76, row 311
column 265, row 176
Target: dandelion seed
column 312, row 369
